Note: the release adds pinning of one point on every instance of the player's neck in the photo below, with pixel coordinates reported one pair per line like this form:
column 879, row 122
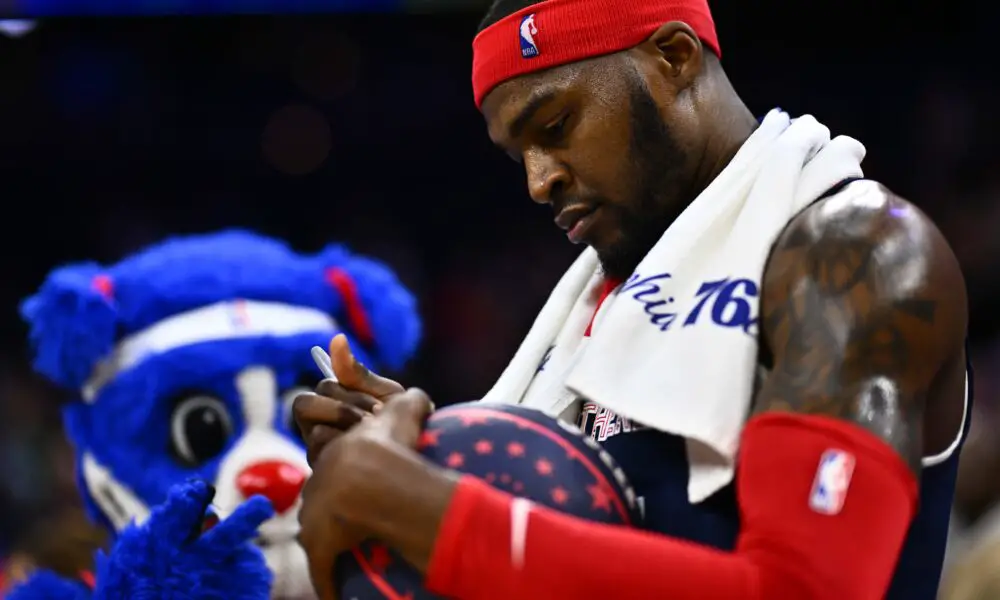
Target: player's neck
column 731, row 129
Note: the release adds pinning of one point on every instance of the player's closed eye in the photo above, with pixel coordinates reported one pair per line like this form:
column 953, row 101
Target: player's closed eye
column 556, row 129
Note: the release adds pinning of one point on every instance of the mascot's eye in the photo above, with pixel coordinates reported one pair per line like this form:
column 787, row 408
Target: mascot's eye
column 199, row 429
column 287, row 399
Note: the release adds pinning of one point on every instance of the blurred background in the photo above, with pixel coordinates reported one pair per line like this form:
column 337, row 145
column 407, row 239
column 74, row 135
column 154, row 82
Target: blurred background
column 325, row 124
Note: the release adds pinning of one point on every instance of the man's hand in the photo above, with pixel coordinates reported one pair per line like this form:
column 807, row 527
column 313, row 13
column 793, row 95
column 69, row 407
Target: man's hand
column 335, row 406
column 369, row 483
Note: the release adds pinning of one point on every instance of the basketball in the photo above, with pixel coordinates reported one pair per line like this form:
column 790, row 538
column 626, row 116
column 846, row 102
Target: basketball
column 519, row 450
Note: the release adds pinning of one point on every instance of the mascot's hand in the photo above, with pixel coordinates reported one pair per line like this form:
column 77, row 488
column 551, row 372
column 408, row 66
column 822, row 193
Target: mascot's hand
column 46, row 585
column 168, row 557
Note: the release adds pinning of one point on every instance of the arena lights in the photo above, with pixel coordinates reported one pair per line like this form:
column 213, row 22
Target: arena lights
column 16, row 28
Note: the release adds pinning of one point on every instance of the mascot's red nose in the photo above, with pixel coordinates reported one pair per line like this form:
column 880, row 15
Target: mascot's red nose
column 278, row 481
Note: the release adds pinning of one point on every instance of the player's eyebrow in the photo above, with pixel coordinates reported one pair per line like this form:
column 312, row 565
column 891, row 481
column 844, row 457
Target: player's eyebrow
column 535, row 102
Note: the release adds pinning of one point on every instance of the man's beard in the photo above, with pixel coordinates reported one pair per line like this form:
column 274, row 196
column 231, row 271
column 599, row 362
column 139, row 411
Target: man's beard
column 658, row 163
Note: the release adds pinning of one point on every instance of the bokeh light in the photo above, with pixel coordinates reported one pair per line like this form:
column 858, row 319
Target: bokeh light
column 296, row 139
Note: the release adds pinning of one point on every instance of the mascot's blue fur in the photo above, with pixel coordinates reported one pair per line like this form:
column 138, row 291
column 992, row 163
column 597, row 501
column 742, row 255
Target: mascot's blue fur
column 75, row 322
column 46, row 585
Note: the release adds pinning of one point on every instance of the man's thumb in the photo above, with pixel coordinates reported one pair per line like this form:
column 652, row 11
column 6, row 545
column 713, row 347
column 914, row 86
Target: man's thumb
column 353, row 375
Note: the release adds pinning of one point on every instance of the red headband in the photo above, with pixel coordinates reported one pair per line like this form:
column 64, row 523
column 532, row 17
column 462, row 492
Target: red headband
column 557, row 32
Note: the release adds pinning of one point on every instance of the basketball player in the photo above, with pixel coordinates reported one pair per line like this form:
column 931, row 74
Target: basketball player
column 863, row 319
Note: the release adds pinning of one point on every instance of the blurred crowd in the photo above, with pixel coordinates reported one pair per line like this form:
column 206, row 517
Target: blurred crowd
column 362, row 129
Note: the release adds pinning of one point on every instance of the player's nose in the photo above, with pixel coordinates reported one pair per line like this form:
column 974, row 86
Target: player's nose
column 547, row 178
column 278, row 481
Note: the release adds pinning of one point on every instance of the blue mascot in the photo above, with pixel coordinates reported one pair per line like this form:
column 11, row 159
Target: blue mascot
column 186, row 358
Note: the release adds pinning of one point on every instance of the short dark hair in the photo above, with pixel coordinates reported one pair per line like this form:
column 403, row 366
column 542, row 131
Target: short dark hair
column 503, row 8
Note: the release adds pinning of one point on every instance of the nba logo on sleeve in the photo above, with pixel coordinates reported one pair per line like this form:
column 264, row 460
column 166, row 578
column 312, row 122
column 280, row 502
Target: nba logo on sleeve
column 833, row 478
column 527, row 33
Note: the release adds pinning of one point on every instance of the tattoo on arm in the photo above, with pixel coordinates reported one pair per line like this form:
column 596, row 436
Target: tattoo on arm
column 862, row 305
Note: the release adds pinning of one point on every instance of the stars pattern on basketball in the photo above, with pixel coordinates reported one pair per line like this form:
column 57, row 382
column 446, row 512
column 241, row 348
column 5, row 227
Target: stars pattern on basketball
column 516, row 450
column 600, row 497
column 428, row 439
column 555, row 473
column 474, row 419
column 455, row 460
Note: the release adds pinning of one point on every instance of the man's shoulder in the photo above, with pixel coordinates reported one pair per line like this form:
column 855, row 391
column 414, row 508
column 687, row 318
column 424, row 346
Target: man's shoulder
column 866, row 219
column 865, row 231
column 861, row 286
column 861, row 209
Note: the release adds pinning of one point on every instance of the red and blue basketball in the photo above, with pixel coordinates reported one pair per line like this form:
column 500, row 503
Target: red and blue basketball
column 515, row 449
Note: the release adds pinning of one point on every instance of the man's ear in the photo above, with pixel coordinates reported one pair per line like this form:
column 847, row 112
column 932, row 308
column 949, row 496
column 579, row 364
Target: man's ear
column 677, row 53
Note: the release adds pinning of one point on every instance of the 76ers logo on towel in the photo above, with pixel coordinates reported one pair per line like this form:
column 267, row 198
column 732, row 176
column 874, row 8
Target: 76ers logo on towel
column 833, row 477
column 527, row 33
column 728, row 302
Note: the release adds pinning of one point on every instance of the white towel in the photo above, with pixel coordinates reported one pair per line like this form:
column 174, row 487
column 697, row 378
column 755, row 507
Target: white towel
column 676, row 350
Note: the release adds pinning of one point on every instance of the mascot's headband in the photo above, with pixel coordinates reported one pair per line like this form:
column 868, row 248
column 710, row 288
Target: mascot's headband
column 224, row 320
column 557, row 32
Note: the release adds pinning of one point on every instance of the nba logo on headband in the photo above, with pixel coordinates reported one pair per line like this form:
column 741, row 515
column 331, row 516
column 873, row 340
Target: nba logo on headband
column 575, row 30
column 527, row 33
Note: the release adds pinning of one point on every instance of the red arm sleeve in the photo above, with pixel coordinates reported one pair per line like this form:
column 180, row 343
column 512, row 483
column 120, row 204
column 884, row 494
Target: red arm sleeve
column 794, row 544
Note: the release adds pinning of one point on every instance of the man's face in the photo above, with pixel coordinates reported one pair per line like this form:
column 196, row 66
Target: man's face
column 595, row 147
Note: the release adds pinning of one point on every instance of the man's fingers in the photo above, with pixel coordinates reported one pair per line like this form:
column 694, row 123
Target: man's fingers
column 321, row 572
column 321, row 551
column 333, row 389
column 311, row 409
column 354, row 375
column 317, row 439
column 404, row 415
